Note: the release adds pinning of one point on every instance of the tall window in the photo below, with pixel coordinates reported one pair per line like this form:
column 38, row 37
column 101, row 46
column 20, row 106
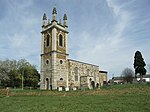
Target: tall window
column 60, row 40
column 76, row 73
column 47, row 40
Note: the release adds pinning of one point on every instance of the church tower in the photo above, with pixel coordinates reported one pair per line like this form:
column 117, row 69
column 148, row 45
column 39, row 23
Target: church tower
column 54, row 52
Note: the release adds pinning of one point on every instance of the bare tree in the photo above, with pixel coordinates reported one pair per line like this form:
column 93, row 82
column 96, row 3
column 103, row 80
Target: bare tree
column 128, row 75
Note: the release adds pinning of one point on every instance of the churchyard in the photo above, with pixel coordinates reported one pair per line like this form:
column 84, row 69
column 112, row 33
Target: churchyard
column 116, row 98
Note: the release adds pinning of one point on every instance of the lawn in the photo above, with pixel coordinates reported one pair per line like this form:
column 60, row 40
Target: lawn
column 128, row 98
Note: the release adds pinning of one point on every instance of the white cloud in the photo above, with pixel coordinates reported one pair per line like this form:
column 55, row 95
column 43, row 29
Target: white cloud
column 106, row 50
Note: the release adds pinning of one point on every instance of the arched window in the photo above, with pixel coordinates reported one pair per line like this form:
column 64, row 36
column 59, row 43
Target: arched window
column 60, row 40
column 76, row 73
column 47, row 62
column 61, row 61
column 61, row 79
column 47, row 40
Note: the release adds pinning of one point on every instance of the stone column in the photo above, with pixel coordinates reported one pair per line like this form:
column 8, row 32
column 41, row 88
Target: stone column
column 42, row 66
column 66, row 35
column 54, row 39
column 54, row 59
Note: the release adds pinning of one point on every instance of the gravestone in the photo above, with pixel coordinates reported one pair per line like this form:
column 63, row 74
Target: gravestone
column 67, row 89
column 74, row 89
column 60, row 89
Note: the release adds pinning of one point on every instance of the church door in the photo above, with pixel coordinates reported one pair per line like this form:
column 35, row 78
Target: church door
column 47, row 83
column 93, row 84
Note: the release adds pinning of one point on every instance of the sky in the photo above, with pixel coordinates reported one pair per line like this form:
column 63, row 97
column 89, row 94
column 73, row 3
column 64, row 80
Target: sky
column 106, row 33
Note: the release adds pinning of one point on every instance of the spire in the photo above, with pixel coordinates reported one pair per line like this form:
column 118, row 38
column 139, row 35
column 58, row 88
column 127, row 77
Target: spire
column 60, row 21
column 65, row 17
column 65, row 20
column 48, row 21
column 54, row 10
column 44, row 20
column 54, row 13
column 44, row 17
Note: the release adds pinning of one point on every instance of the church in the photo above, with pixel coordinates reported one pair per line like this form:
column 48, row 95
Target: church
column 57, row 70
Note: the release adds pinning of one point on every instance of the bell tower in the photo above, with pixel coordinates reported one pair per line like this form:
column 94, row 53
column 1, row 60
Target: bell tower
column 54, row 52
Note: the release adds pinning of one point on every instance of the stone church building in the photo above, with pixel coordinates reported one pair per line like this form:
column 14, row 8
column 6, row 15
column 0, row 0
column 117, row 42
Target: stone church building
column 57, row 71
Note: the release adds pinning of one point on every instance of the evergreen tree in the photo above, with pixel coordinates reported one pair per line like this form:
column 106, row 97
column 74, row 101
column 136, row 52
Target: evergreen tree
column 139, row 64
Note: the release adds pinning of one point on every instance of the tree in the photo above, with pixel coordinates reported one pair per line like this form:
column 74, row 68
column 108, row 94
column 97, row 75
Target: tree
column 15, row 73
column 29, row 73
column 31, row 76
column 128, row 75
column 5, row 69
column 139, row 64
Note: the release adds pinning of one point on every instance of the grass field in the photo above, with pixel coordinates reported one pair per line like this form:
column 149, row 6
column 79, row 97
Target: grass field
column 118, row 98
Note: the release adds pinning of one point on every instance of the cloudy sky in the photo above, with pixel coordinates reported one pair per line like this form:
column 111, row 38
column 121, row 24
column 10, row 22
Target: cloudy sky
column 102, row 32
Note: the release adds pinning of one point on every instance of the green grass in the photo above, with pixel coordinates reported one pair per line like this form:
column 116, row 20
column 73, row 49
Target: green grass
column 126, row 86
column 125, row 98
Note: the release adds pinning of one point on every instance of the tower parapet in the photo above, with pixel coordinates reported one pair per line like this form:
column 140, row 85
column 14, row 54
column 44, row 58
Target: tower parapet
column 61, row 24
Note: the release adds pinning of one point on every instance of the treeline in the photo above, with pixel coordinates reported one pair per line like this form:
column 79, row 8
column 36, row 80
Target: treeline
column 13, row 73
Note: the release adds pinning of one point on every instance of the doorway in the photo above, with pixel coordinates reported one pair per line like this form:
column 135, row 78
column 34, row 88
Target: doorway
column 47, row 83
column 93, row 84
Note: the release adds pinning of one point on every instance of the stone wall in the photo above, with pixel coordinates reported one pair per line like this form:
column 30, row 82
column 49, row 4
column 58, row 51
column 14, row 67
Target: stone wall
column 103, row 77
column 83, row 70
